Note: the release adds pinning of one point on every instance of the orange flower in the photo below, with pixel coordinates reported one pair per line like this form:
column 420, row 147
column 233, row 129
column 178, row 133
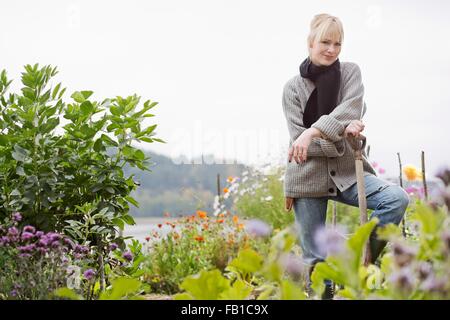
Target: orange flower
column 176, row 235
column 235, row 219
column 230, row 179
column 221, row 215
column 159, row 225
column 225, row 190
column 205, row 226
column 220, row 221
column 199, row 238
column 240, row 226
column 412, row 173
column 201, row 214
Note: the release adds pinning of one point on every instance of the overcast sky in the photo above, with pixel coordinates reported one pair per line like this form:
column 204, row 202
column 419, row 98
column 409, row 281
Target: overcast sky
column 217, row 68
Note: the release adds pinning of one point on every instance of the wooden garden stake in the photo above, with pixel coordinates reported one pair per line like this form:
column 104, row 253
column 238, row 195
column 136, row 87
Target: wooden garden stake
column 425, row 189
column 358, row 145
column 401, row 185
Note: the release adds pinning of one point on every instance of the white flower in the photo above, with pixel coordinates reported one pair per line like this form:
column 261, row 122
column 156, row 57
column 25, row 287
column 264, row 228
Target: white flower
column 73, row 280
column 242, row 192
column 268, row 198
column 244, row 179
column 216, row 212
column 216, row 202
column 226, row 195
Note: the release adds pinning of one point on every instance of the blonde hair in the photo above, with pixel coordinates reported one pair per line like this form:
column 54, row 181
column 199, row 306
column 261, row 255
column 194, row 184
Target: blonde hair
column 325, row 26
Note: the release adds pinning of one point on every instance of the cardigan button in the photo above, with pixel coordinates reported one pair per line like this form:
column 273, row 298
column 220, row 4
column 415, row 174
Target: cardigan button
column 333, row 173
column 331, row 190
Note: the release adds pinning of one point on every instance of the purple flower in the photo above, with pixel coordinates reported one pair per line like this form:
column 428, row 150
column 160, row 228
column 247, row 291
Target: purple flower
column 13, row 231
column 55, row 244
column 17, row 216
column 27, row 236
column 30, row 229
column 39, row 233
column 81, row 249
column 330, row 240
column 89, row 274
column 27, row 248
column 113, row 246
column 43, row 242
column 13, row 293
column 444, row 174
column 4, row 240
column 424, row 270
column 403, row 278
column 69, row 243
column 54, row 236
column 258, row 228
column 25, row 255
column 432, row 284
column 293, row 265
column 403, row 255
column 127, row 255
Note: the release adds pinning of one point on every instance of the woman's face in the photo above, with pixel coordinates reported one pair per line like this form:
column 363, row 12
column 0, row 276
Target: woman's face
column 324, row 52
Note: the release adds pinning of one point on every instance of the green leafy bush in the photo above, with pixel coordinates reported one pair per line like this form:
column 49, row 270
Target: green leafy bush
column 62, row 164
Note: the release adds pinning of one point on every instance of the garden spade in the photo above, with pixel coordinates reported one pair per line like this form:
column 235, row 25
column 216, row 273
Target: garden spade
column 358, row 144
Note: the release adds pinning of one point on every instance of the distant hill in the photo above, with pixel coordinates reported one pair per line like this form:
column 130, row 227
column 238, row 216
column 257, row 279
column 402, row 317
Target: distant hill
column 179, row 189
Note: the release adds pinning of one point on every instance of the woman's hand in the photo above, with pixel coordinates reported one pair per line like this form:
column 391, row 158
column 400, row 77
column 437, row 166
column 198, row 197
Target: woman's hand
column 299, row 148
column 354, row 128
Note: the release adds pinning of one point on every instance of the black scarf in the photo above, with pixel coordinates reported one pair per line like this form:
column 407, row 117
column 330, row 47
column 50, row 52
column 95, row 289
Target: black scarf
column 323, row 99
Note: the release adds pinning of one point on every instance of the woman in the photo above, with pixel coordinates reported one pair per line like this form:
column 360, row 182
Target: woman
column 323, row 105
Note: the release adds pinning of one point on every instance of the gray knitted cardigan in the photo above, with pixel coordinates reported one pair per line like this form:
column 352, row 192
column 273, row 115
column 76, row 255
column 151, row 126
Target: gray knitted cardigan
column 330, row 163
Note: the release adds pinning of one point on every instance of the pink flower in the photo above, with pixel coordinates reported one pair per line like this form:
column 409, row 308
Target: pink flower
column 374, row 164
column 381, row 171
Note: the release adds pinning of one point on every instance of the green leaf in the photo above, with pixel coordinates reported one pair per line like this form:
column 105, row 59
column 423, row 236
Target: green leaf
column 239, row 291
column 139, row 155
column 128, row 219
column 358, row 241
column 86, row 107
column 29, row 93
column 247, row 261
column 86, row 94
column 67, row 293
column 15, row 192
column 132, row 201
column 122, row 288
column 117, row 111
column 207, row 285
column 183, row 296
column 290, row 291
column 98, row 146
column 108, row 141
column 110, row 190
column 55, row 90
column 112, row 127
column 159, row 140
column 78, row 97
column 20, row 171
column 19, row 153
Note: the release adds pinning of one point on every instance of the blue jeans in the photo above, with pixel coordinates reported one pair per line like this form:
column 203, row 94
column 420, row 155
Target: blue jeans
column 388, row 201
